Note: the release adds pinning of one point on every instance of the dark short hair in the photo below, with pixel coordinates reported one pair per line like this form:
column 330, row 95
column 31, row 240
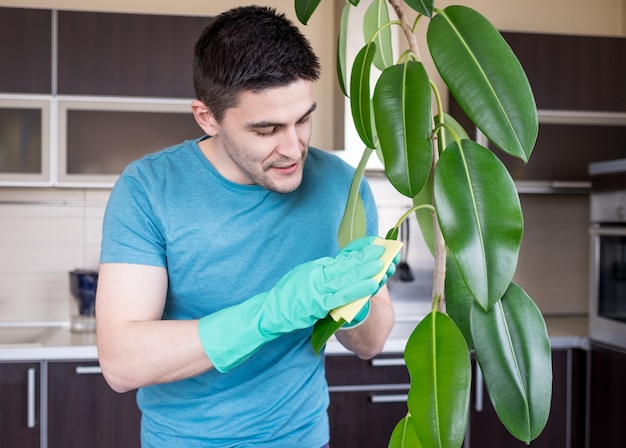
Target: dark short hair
column 249, row 48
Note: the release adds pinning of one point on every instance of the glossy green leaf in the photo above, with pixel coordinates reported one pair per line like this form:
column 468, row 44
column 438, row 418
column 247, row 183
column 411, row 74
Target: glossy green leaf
column 360, row 94
column 342, row 49
column 375, row 17
column 403, row 435
column 402, row 108
column 323, row 331
column 355, row 2
column 480, row 218
column 458, row 300
column 513, row 350
column 438, row 362
column 425, row 216
column 424, row 7
column 353, row 223
column 485, row 77
column 305, row 9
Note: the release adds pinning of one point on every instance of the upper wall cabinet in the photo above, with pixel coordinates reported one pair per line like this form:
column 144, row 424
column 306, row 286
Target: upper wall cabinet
column 25, row 50
column 570, row 72
column 579, row 88
column 126, row 54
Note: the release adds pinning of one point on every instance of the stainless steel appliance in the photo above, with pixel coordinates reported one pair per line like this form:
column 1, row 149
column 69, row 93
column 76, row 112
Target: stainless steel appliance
column 607, row 309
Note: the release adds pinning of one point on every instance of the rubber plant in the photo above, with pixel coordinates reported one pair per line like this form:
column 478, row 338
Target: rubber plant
column 467, row 207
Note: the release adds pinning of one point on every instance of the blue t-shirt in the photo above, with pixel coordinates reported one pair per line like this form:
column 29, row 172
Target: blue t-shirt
column 223, row 243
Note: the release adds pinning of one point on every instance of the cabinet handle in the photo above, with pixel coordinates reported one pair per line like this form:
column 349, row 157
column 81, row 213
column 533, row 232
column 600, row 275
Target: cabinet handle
column 88, row 370
column 478, row 389
column 393, row 398
column 31, row 420
column 388, row 362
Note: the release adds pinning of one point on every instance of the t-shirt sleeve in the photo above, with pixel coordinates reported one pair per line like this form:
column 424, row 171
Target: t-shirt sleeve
column 131, row 231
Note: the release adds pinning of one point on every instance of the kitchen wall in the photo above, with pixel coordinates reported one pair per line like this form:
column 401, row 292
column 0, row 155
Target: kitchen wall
column 45, row 233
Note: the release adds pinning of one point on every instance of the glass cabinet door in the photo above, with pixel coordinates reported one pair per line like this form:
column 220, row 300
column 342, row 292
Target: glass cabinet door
column 24, row 141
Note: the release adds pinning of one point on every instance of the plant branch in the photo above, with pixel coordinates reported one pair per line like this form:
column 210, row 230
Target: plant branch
column 406, row 27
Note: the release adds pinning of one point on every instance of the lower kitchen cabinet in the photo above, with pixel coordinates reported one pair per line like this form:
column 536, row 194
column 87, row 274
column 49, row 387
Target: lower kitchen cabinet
column 367, row 399
column 566, row 424
column 607, row 400
column 20, row 422
column 83, row 411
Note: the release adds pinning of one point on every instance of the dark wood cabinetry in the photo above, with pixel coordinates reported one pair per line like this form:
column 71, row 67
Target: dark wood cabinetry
column 607, row 400
column 569, row 72
column 26, row 48
column 84, row 411
column 367, row 399
column 566, row 424
column 126, row 54
column 20, row 422
column 578, row 86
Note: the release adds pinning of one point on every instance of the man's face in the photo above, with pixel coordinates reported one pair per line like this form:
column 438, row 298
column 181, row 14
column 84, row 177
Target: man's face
column 265, row 139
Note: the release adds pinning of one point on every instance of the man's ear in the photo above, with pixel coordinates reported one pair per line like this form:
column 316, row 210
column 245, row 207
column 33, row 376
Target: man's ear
column 204, row 118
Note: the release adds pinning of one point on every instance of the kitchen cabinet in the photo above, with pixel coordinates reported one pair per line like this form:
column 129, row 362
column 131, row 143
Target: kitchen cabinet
column 84, row 411
column 367, row 399
column 26, row 47
column 566, row 424
column 607, row 398
column 64, row 404
column 116, row 54
column 20, row 422
column 578, row 86
column 571, row 72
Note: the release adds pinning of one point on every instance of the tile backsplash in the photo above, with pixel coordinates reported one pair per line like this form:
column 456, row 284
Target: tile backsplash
column 44, row 234
column 47, row 232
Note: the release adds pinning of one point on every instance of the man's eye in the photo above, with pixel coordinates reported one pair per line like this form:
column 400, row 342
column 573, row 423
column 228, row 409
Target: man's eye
column 266, row 132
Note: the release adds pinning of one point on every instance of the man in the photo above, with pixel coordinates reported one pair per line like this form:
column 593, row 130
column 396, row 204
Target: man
column 219, row 254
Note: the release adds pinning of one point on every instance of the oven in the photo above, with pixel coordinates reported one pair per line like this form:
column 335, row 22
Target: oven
column 607, row 305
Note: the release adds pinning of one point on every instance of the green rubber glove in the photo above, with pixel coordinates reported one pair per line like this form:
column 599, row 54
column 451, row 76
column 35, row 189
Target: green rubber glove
column 365, row 310
column 302, row 297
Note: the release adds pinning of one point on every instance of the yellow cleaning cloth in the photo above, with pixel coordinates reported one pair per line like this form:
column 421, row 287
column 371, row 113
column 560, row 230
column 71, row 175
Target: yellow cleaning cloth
column 350, row 310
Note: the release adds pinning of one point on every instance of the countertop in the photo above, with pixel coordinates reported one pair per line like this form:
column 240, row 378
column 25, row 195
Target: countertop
column 60, row 344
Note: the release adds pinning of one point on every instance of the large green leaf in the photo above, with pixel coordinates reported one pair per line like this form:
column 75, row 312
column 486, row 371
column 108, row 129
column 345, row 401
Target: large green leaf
column 353, row 223
column 438, row 362
column 485, row 77
column 402, row 108
column 375, row 17
column 305, row 9
column 425, row 216
column 424, row 7
column 458, row 300
column 342, row 48
column 403, row 435
column 360, row 98
column 480, row 217
column 513, row 350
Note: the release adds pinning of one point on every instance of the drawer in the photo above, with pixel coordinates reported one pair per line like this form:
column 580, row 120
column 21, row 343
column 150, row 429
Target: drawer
column 350, row 370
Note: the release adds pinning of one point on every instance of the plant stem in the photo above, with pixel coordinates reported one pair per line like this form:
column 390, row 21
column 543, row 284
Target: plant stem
column 439, row 275
column 406, row 27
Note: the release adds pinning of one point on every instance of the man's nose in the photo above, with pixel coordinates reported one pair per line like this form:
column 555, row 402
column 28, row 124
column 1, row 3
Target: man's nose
column 289, row 145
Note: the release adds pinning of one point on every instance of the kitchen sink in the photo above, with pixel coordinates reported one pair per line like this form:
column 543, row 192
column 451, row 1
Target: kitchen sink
column 18, row 336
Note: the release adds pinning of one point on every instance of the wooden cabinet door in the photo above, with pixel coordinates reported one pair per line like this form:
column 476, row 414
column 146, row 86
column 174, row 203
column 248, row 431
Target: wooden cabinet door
column 126, row 54
column 20, row 405
column 565, row 427
column 25, row 50
column 83, row 411
column 573, row 72
column 367, row 399
column 607, row 398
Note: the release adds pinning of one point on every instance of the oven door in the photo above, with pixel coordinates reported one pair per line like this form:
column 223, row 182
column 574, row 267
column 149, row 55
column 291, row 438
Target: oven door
column 607, row 312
